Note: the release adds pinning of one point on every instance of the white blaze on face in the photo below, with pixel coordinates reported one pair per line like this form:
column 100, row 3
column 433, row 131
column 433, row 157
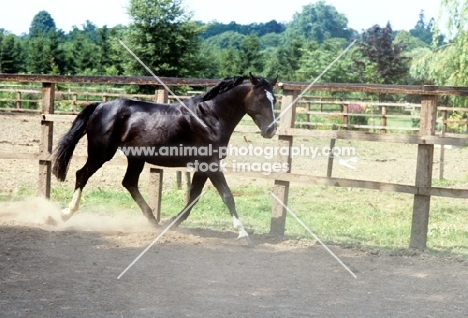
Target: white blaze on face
column 270, row 97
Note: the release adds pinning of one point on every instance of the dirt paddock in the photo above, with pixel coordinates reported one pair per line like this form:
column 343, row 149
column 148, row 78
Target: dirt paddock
column 71, row 270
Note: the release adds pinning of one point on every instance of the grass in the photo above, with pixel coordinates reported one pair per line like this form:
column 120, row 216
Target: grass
column 347, row 216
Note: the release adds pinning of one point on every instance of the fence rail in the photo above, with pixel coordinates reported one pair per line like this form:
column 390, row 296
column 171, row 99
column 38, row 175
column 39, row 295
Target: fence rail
column 425, row 141
column 384, row 111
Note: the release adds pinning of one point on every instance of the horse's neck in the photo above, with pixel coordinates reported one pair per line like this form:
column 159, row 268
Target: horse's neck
column 230, row 109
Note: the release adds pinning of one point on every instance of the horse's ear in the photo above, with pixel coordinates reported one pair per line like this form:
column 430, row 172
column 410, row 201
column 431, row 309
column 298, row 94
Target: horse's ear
column 253, row 79
column 274, row 81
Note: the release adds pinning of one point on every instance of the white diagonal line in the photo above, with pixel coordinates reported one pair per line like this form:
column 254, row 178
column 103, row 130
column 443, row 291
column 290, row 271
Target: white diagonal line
column 345, row 162
column 162, row 83
column 160, row 235
column 313, row 83
column 315, row 236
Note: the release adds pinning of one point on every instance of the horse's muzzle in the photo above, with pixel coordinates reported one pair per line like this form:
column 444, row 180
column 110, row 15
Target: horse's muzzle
column 269, row 132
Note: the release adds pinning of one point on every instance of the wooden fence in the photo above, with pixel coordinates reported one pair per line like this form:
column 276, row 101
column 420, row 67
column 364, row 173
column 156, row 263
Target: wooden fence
column 328, row 106
column 425, row 141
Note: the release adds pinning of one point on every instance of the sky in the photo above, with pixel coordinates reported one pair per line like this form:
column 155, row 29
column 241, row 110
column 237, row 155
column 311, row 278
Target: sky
column 16, row 17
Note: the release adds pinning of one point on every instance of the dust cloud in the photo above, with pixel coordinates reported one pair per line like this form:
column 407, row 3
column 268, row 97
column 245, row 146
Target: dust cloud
column 47, row 215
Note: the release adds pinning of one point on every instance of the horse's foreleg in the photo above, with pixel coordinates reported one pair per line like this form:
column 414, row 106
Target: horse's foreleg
column 196, row 187
column 130, row 182
column 219, row 181
column 239, row 227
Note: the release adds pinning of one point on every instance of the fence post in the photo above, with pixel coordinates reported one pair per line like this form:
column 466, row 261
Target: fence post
column 187, row 184
column 345, row 116
column 160, row 95
column 156, row 174
column 331, row 157
column 75, row 99
column 45, row 147
column 18, row 100
column 281, row 188
column 384, row 119
column 442, row 147
column 421, row 203
column 179, row 180
column 155, row 191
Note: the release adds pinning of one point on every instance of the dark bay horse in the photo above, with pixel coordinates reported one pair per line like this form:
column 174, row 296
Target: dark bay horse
column 205, row 120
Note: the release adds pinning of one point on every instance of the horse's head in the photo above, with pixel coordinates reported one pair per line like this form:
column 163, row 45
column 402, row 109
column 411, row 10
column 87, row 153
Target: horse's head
column 259, row 105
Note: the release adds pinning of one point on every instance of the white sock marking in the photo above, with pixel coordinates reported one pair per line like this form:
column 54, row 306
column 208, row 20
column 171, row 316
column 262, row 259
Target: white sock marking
column 74, row 204
column 238, row 226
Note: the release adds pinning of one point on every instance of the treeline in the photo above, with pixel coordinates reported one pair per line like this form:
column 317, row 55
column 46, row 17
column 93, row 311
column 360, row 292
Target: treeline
column 259, row 29
column 171, row 43
column 48, row 50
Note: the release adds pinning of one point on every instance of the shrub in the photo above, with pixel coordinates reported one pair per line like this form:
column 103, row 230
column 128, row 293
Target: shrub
column 358, row 110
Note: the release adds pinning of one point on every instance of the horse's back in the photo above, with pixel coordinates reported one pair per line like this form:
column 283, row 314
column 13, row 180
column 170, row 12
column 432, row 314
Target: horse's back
column 137, row 123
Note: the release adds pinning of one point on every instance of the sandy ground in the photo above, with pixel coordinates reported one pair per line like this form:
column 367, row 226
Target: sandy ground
column 71, row 270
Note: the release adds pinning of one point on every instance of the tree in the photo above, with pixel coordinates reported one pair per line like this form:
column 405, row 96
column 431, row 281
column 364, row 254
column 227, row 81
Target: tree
column 229, row 63
column 411, row 42
column 2, row 31
column 284, row 62
column 250, row 57
column 270, row 27
column 319, row 22
column 448, row 64
column 85, row 54
column 316, row 58
column 9, row 57
column 423, row 30
column 216, row 28
column 35, row 60
column 105, row 49
column 383, row 60
column 43, row 46
column 115, row 57
column 271, row 40
column 164, row 37
column 90, row 31
column 229, row 39
column 54, row 58
column 41, row 24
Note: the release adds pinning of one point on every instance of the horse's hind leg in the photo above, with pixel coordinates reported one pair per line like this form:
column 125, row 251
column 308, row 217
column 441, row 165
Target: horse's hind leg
column 130, row 182
column 98, row 153
column 82, row 177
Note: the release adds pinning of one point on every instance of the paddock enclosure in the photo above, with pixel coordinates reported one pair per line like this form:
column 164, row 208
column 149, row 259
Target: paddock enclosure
column 71, row 269
column 425, row 141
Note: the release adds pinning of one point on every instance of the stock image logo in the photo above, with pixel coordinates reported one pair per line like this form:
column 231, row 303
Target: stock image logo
column 264, row 167
column 262, row 153
column 265, row 152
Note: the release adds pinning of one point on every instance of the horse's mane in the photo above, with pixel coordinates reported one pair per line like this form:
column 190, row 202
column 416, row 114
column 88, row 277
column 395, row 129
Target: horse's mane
column 224, row 86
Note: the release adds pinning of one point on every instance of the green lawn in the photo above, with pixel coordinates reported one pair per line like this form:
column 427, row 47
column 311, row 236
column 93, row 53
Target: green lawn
column 356, row 216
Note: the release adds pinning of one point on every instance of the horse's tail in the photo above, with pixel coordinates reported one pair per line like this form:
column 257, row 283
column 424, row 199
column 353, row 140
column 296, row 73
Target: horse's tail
column 67, row 143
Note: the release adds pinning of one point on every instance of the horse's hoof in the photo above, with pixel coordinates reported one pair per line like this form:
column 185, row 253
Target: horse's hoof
column 154, row 223
column 173, row 226
column 246, row 240
column 65, row 216
column 244, row 237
